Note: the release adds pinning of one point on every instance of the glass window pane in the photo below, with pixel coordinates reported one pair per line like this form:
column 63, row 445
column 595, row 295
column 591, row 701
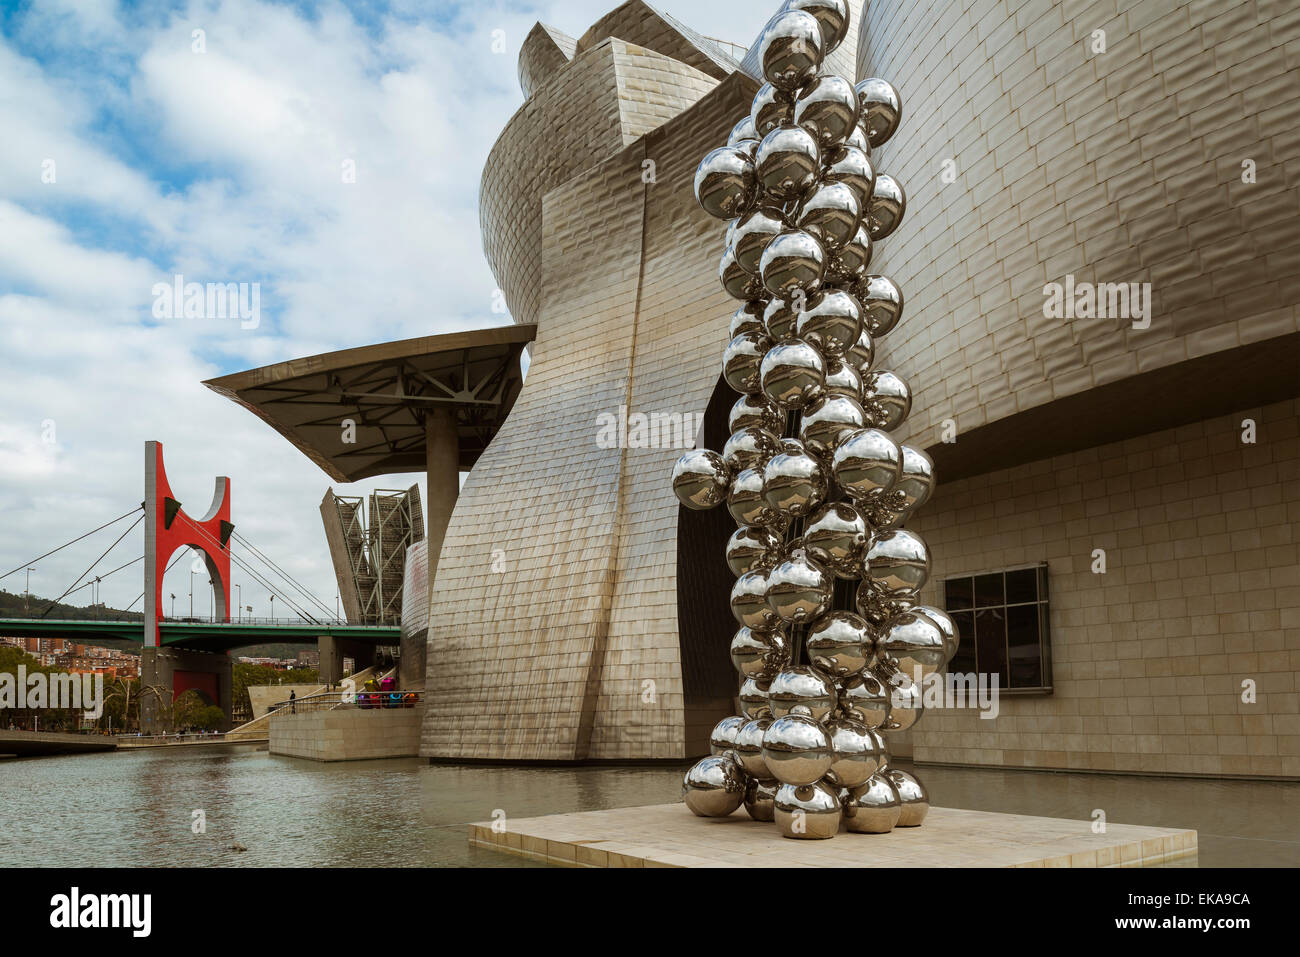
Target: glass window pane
column 988, row 590
column 1022, row 586
column 958, row 594
column 964, row 661
column 991, row 641
column 1023, row 647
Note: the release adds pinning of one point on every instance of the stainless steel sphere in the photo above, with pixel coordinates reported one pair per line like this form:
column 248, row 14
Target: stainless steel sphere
column 749, row 749
column 865, row 698
column 787, row 164
column 794, row 482
column 835, row 536
column 753, row 232
column 792, row 374
column 750, row 547
column 842, row 377
column 804, row 689
column 725, row 182
column 748, row 448
column 832, row 16
column 743, row 131
column 852, row 167
column 828, row 109
column 886, row 399
column 848, row 264
column 881, row 109
column 810, row 812
column 753, row 699
column 755, row 412
column 748, row 318
column 915, row 480
column 760, row 800
column 796, row 749
column 761, row 655
column 779, row 319
column 723, row 736
column 791, row 49
column 946, row 626
column 882, row 304
column 887, row 207
column 831, row 322
column 912, row 795
column 906, row 704
column 866, row 463
column 857, row 139
column 771, row 108
column 746, row 503
column 862, row 355
column 897, row 564
column 914, row 645
column 715, row 786
column 749, row 601
column 737, row 283
column 874, row 807
column 839, row 644
column 799, row 590
column 855, row 752
column 742, row 361
column 827, row 420
column 832, row 212
column 793, row 262
column 701, row 479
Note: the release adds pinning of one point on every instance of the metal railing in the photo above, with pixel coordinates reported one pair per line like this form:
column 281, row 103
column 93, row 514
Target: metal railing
column 363, row 700
column 735, row 50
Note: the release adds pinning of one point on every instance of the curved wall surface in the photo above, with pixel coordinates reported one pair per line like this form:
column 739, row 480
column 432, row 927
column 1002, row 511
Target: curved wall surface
column 1123, row 166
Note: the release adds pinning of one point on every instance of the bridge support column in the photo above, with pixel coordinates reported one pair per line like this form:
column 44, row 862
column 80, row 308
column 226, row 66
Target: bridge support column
column 167, row 673
column 334, row 650
column 442, row 465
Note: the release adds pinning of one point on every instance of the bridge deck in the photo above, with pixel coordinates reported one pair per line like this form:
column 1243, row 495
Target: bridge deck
column 208, row 635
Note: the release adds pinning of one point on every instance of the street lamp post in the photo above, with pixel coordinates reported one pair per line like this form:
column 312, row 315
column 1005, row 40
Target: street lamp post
column 27, row 598
column 272, row 608
column 191, row 593
column 173, row 604
column 212, row 601
column 95, row 600
column 239, row 604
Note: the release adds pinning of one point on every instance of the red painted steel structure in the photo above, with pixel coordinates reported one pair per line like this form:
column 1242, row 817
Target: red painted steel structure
column 168, row 528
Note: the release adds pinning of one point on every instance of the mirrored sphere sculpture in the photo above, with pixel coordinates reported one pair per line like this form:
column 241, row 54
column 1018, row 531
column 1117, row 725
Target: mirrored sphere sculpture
column 874, row 807
column 791, row 50
column 725, row 182
column 715, row 786
column 760, row 799
column 723, row 737
column 912, row 795
column 797, row 749
column 808, row 812
column 881, row 109
column 803, row 688
column 701, row 479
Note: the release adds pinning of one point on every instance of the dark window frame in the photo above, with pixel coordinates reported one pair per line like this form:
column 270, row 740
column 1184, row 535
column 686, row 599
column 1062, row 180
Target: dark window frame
column 1042, row 601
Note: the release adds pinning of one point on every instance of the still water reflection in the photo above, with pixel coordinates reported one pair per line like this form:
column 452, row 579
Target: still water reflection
column 135, row 808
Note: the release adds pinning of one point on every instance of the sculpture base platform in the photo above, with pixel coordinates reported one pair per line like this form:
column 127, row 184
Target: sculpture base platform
column 668, row 835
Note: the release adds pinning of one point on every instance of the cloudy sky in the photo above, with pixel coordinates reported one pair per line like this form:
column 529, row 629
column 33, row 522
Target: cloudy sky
column 136, row 148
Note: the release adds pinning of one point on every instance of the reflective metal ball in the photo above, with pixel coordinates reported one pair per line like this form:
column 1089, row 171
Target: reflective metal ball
column 753, row 232
column 913, row 644
column 799, row 590
column 828, row 109
column 873, row 808
column 749, row 601
column 839, row 644
column 742, row 131
column 760, row 799
column 866, row 463
column 796, row 749
column 865, row 698
column 831, row 322
column 746, row 503
column 725, row 182
column 886, row 399
column 771, row 108
column 794, row 482
column 750, row 547
column 835, row 536
column 748, row 448
column 792, row 374
column 811, row 812
column 749, row 749
column 793, row 262
column 760, row 654
column 827, row 420
column 832, row 16
column 742, row 361
column 852, row 167
column 832, row 212
column 842, row 377
column 848, row 264
column 701, row 479
column 791, row 49
column 714, row 787
column 897, row 563
column 787, row 164
column 882, row 304
column 862, row 355
column 913, row 796
column 947, row 627
column 881, row 109
column 779, row 320
column 755, row 412
column 855, row 752
column 906, row 704
column 802, row 688
column 887, row 207
column 748, row 318
column 723, row 736
column 753, row 699
column 737, row 283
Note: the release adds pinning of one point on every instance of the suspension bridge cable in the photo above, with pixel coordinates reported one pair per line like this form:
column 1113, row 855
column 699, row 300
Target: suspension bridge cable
column 251, row 571
column 93, row 564
column 105, row 575
column 73, row 542
column 283, row 574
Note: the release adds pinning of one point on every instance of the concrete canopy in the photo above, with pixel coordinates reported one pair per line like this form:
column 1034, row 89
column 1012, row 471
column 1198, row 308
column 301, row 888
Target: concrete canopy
column 386, row 391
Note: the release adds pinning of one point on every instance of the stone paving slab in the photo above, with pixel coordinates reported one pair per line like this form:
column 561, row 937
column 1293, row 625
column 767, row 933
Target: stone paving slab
column 668, row 835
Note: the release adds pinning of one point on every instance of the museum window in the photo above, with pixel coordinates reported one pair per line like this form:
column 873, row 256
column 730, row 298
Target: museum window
column 1004, row 623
